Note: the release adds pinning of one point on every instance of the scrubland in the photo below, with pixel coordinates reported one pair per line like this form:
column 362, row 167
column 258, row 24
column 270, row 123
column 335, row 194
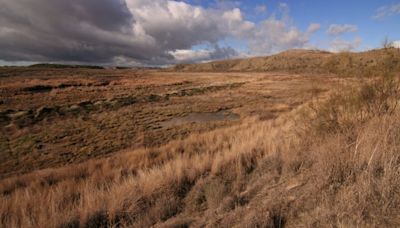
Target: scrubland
column 322, row 152
column 54, row 117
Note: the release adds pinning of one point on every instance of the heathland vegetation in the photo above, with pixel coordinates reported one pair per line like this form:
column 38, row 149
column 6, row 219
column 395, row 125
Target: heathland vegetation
column 323, row 153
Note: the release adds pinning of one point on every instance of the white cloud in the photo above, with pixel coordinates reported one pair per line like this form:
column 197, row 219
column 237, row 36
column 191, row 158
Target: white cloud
column 273, row 35
column 190, row 55
column 188, row 25
column 396, row 44
column 386, row 11
column 338, row 44
column 336, row 30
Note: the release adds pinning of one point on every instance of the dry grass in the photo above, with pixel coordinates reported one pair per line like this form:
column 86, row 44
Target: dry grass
column 346, row 64
column 331, row 162
column 134, row 193
column 96, row 113
column 255, row 174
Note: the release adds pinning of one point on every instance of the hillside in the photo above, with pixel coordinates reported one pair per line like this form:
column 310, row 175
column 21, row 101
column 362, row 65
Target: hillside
column 302, row 61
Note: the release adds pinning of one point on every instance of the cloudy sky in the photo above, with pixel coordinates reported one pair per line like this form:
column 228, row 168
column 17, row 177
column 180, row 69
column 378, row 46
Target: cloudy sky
column 164, row 32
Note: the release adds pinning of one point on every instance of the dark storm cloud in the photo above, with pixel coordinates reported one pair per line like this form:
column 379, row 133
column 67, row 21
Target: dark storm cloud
column 104, row 14
column 100, row 31
column 134, row 32
column 74, row 30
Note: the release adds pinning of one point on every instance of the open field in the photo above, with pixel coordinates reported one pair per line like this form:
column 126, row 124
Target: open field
column 151, row 148
column 50, row 118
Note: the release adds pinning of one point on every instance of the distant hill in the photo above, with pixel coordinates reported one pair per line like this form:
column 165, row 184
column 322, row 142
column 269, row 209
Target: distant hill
column 304, row 61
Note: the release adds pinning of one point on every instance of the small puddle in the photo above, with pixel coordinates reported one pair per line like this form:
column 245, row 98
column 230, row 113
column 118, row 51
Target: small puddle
column 201, row 117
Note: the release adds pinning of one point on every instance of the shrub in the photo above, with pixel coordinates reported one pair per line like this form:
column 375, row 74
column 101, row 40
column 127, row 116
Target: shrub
column 367, row 99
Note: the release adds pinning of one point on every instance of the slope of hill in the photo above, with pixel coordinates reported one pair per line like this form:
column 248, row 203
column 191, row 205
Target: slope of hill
column 303, row 61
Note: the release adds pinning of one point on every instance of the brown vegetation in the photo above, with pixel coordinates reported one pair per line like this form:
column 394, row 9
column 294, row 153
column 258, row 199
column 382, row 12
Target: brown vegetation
column 307, row 61
column 53, row 117
column 331, row 161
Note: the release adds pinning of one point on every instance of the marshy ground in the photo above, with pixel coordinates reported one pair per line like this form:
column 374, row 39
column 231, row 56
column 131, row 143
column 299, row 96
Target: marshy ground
column 53, row 117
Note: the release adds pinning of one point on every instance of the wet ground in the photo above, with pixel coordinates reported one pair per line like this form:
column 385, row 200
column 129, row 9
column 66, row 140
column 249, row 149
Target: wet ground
column 201, row 117
column 52, row 117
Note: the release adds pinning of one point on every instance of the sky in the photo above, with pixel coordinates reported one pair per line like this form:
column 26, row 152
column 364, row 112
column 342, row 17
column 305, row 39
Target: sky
column 166, row 32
